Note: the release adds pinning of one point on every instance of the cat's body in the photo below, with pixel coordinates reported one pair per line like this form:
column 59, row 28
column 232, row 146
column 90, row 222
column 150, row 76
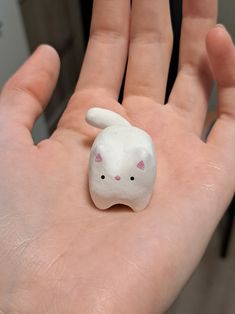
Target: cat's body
column 122, row 167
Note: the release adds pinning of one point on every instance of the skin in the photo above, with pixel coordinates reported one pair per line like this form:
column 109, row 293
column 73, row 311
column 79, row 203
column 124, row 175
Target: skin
column 58, row 254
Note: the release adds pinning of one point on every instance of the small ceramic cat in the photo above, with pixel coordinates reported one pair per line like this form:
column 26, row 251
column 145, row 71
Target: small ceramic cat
column 122, row 166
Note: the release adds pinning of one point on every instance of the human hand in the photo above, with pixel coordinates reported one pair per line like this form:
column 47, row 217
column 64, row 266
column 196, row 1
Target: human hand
column 57, row 252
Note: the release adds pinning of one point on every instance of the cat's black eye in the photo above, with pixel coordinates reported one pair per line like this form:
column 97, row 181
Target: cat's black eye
column 132, row 178
column 102, row 177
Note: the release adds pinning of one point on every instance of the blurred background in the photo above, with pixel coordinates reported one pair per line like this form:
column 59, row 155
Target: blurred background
column 64, row 24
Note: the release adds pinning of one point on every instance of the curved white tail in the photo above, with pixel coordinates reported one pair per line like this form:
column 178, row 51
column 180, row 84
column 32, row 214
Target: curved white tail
column 102, row 118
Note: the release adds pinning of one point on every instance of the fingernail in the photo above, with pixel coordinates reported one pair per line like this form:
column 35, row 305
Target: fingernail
column 221, row 26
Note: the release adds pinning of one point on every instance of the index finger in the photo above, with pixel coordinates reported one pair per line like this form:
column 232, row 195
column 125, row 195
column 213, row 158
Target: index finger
column 106, row 54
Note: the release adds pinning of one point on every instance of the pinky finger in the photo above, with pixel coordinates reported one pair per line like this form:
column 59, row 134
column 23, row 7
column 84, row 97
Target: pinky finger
column 221, row 52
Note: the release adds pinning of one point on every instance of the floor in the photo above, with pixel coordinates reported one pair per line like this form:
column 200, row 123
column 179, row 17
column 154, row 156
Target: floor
column 211, row 289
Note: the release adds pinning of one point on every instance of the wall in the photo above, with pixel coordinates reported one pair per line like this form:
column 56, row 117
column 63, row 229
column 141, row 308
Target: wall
column 13, row 44
column 226, row 15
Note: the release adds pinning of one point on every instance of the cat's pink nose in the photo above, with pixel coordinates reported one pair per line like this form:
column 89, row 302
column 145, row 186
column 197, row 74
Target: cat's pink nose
column 117, row 178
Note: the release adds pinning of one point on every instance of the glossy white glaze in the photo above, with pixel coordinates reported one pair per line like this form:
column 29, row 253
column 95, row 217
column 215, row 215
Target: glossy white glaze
column 122, row 167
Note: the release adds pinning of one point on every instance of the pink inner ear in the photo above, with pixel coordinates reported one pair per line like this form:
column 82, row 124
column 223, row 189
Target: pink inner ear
column 98, row 158
column 141, row 165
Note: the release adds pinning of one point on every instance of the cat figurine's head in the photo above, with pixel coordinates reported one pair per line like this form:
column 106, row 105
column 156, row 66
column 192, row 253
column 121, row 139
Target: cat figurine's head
column 121, row 176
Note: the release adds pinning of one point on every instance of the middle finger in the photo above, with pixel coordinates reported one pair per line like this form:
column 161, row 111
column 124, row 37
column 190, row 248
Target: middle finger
column 150, row 49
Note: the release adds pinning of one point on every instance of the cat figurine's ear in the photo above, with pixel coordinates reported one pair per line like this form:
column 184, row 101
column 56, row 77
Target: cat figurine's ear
column 141, row 165
column 98, row 158
column 97, row 154
column 144, row 158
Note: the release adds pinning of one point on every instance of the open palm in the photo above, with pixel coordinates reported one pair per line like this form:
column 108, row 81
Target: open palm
column 58, row 253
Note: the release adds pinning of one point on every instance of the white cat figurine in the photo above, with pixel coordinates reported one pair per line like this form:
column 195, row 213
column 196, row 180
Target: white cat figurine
column 122, row 166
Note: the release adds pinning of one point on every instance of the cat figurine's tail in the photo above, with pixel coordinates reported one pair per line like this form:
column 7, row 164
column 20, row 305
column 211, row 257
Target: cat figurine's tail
column 102, row 118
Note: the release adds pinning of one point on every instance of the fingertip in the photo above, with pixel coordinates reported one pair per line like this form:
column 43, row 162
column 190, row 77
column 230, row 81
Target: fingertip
column 48, row 52
column 218, row 40
column 221, row 53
